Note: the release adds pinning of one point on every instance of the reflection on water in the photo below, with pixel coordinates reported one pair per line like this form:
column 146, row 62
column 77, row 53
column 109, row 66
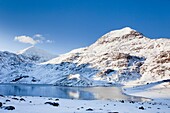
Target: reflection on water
column 74, row 94
column 89, row 93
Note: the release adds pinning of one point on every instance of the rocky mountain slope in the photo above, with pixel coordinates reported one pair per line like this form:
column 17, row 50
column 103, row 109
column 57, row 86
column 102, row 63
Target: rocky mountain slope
column 14, row 67
column 119, row 57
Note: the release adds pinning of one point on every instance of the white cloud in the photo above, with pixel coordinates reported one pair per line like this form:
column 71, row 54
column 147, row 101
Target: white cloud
column 37, row 38
column 26, row 39
column 49, row 41
column 37, row 35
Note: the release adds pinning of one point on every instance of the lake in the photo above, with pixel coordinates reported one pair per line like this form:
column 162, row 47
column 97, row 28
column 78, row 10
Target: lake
column 80, row 93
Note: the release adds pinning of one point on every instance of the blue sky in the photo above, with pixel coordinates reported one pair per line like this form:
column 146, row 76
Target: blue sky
column 71, row 24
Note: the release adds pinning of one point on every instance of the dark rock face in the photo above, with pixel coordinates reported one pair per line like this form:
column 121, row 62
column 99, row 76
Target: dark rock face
column 1, row 95
column 22, row 99
column 0, row 104
column 163, row 57
column 156, row 66
column 7, row 100
column 9, row 108
column 132, row 102
column 89, row 109
column 15, row 98
column 133, row 34
column 52, row 103
column 56, row 99
column 122, row 101
column 142, row 108
column 19, row 78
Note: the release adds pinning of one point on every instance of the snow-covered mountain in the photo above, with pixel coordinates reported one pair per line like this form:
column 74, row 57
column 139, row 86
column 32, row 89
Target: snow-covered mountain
column 119, row 57
column 36, row 54
column 14, row 67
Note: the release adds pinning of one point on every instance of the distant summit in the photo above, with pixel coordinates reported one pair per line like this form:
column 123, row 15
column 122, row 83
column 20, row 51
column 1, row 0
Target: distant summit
column 126, row 33
column 36, row 54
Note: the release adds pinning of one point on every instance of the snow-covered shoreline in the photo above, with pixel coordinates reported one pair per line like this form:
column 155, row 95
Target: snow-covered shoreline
column 156, row 90
column 37, row 105
column 159, row 93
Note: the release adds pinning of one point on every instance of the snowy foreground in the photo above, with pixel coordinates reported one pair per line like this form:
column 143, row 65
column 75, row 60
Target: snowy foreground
column 159, row 93
column 38, row 105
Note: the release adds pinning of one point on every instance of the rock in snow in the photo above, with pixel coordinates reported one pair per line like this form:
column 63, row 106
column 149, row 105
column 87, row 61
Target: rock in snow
column 118, row 57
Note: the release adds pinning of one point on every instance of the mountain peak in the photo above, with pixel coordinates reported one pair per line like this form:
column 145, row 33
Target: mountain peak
column 30, row 50
column 36, row 53
column 125, row 30
column 119, row 35
column 121, row 32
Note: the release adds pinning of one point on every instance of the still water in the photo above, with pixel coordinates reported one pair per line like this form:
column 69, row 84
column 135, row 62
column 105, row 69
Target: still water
column 80, row 93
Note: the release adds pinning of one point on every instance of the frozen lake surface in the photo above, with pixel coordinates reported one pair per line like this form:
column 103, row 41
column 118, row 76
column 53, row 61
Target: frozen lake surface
column 80, row 93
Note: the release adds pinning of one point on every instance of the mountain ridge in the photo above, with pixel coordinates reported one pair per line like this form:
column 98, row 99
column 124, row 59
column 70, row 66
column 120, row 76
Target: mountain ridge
column 122, row 56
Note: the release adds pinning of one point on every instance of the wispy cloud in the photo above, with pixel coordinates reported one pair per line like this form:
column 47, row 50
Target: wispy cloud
column 37, row 35
column 37, row 38
column 26, row 39
column 49, row 41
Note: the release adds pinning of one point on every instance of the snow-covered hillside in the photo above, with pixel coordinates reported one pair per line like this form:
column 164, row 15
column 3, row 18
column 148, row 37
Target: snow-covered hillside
column 119, row 57
column 36, row 54
column 14, row 67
